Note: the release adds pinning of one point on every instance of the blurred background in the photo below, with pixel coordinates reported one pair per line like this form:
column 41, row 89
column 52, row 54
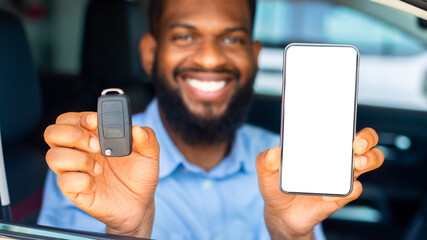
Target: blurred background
column 57, row 56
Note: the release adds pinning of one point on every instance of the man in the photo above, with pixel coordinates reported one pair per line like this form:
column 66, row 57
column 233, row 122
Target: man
column 203, row 61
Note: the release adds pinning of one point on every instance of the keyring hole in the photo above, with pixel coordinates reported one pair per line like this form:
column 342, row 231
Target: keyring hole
column 112, row 93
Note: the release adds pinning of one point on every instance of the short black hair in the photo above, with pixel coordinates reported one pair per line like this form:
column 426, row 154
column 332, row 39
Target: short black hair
column 156, row 8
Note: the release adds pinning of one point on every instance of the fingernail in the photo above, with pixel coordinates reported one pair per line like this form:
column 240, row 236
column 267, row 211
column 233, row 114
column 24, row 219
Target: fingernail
column 270, row 163
column 97, row 168
column 94, row 144
column 363, row 143
column 362, row 161
column 271, row 160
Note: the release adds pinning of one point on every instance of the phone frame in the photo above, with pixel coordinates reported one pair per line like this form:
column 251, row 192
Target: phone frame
column 283, row 110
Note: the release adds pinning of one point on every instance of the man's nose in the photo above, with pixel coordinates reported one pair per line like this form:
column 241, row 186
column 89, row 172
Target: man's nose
column 210, row 55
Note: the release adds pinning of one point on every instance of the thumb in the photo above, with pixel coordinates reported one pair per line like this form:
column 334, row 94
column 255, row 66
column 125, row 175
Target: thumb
column 268, row 162
column 145, row 142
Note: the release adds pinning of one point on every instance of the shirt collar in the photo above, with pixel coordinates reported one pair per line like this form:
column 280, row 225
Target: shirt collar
column 239, row 157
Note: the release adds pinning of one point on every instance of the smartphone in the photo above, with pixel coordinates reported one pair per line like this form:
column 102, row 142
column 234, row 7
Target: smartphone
column 319, row 105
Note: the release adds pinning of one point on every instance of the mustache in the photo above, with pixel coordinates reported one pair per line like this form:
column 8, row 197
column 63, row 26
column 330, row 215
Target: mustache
column 181, row 70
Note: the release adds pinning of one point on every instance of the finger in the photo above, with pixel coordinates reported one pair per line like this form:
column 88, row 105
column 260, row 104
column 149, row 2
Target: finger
column 145, row 142
column 72, row 137
column 87, row 120
column 365, row 139
column 369, row 161
column 341, row 201
column 62, row 160
column 71, row 183
column 268, row 162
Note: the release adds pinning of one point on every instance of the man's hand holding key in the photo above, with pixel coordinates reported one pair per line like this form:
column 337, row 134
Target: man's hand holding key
column 105, row 187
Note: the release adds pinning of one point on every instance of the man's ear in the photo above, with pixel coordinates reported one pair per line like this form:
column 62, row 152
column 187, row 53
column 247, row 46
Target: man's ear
column 256, row 49
column 147, row 52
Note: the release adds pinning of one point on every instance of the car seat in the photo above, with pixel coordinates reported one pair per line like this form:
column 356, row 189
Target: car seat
column 20, row 114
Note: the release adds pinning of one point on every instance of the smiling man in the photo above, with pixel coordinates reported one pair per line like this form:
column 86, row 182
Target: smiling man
column 192, row 173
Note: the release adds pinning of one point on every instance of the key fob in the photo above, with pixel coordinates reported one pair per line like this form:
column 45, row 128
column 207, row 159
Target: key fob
column 114, row 123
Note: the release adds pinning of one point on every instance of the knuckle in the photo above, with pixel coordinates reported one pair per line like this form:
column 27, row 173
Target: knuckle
column 370, row 130
column 380, row 154
column 48, row 133
column 66, row 183
column 373, row 133
column 62, row 117
column 370, row 154
column 87, row 182
column 77, row 133
column 52, row 160
column 50, row 156
column 86, row 162
column 62, row 182
column 376, row 158
column 82, row 118
column 357, row 190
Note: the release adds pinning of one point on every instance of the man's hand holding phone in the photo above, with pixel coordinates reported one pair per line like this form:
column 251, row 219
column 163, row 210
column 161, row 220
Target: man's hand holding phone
column 294, row 216
column 104, row 187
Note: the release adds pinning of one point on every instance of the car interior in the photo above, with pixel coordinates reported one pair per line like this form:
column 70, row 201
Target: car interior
column 57, row 56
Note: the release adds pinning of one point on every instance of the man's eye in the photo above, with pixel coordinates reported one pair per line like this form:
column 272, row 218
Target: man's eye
column 233, row 40
column 186, row 38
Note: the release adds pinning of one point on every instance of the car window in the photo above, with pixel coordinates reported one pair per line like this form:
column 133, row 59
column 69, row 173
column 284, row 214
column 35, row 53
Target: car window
column 54, row 30
column 381, row 46
column 329, row 23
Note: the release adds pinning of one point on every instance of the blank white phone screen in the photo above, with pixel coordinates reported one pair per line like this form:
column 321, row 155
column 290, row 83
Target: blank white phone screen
column 319, row 107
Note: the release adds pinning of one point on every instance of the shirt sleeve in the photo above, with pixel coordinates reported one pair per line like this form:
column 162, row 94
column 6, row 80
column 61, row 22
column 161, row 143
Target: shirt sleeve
column 318, row 232
column 59, row 211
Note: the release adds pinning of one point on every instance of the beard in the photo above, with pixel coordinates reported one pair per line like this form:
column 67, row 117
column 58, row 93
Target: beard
column 200, row 130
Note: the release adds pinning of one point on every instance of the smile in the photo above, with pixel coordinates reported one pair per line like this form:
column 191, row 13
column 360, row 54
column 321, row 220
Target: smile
column 206, row 86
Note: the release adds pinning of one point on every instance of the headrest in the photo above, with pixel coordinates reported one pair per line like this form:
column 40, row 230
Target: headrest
column 111, row 38
column 20, row 96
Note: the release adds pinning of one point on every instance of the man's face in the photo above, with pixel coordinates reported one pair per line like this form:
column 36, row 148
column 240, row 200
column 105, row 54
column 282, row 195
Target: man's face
column 205, row 53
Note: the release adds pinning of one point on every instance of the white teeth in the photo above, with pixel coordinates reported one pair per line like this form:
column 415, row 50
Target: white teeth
column 206, row 86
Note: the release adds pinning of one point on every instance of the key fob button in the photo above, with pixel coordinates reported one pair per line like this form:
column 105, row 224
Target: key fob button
column 114, row 118
column 114, row 131
column 112, row 106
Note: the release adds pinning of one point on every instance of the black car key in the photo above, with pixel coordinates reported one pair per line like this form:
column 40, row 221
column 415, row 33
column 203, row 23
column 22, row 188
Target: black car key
column 114, row 123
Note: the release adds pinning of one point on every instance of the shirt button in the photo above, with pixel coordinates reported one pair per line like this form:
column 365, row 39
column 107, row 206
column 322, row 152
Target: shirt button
column 217, row 238
column 207, row 184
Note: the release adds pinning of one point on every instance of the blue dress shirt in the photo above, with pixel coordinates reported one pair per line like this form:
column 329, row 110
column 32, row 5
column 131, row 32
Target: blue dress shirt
column 190, row 203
